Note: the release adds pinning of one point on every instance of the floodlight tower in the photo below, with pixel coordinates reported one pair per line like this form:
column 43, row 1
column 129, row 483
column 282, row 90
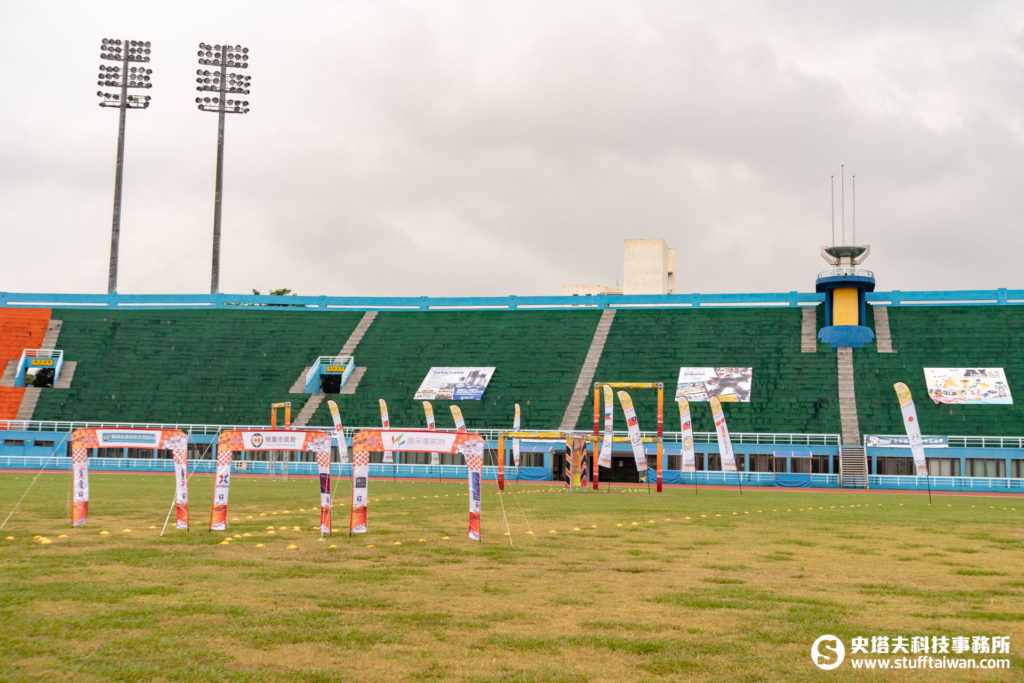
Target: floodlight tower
column 122, row 76
column 223, row 83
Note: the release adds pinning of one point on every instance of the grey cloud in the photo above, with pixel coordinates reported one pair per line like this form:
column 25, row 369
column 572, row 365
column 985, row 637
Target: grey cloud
column 532, row 137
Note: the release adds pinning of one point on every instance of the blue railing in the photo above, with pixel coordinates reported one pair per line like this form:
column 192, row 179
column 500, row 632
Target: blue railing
column 512, row 302
column 420, row 303
column 831, row 481
column 951, row 298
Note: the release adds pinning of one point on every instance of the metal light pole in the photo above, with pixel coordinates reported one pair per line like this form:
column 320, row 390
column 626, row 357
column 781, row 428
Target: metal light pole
column 223, row 83
column 122, row 76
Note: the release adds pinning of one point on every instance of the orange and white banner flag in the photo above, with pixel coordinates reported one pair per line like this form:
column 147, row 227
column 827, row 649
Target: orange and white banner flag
column 80, row 482
column 360, row 490
column 474, row 455
column 385, row 422
column 221, row 487
column 913, row 428
column 724, row 442
column 605, row 457
column 515, row 441
column 320, row 444
column 689, row 462
column 339, row 432
column 435, row 458
column 460, row 424
column 181, row 494
column 633, row 427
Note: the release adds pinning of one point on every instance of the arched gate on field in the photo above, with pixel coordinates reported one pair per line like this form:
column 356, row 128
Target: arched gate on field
column 470, row 445
column 82, row 440
column 237, row 440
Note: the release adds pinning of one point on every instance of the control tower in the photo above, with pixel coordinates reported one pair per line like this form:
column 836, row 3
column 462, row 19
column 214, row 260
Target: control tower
column 845, row 285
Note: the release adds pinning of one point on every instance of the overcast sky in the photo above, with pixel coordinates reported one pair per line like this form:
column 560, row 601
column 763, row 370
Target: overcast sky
column 490, row 148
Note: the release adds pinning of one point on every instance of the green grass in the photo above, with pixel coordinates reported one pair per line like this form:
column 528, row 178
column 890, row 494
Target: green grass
column 609, row 586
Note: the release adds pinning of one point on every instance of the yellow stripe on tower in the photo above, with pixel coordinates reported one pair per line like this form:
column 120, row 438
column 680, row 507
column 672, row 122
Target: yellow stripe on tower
column 845, row 306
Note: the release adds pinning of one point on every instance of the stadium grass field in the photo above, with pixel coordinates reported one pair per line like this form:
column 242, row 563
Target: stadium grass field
column 608, row 586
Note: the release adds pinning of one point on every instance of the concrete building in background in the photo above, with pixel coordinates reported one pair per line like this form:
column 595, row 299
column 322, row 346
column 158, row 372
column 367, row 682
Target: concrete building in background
column 648, row 267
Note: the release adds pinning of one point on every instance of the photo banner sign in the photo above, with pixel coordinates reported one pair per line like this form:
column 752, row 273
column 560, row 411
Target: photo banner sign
column 454, row 384
column 575, row 472
column 968, row 385
column 729, row 384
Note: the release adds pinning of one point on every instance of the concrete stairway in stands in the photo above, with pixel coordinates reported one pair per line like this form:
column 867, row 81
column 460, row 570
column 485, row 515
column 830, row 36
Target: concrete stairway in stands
column 52, row 333
column 853, row 459
column 312, row 403
column 853, row 467
column 299, row 386
column 809, row 329
column 28, row 403
column 67, row 373
column 10, row 373
column 883, row 336
column 314, row 400
column 357, row 334
column 582, row 390
column 847, row 398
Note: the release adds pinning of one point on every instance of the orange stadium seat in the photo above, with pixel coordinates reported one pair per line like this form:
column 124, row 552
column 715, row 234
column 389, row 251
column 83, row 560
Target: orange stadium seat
column 20, row 329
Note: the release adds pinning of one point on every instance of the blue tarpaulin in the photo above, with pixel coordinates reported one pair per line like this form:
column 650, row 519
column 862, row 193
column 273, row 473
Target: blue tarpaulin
column 788, row 480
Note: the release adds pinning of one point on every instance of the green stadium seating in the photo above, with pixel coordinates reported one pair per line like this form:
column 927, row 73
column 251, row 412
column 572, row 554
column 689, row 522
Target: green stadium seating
column 791, row 391
column 195, row 366
column 227, row 366
column 943, row 336
column 537, row 356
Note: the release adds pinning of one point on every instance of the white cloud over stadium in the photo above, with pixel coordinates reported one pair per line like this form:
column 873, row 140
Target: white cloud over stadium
column 401, row 148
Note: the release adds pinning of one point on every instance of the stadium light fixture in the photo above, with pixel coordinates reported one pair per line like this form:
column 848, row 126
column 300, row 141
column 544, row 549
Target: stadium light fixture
column 124, row 75
column 215, row 83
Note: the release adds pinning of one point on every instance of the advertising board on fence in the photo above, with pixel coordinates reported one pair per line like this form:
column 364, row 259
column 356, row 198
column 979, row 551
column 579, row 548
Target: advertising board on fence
column 904, row 441
column 271, row 440
column 727, row 383
column 967, row 385
column 454, row 384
